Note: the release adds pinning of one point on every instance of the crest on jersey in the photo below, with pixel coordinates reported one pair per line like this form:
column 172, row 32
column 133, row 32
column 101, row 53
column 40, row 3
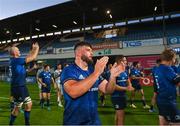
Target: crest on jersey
column 81, row 77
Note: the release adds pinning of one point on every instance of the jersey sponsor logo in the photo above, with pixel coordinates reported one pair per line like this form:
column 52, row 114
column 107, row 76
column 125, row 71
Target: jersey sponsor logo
column 81, row 77
column 116, row 106
column 94, row 89
column 121, row 80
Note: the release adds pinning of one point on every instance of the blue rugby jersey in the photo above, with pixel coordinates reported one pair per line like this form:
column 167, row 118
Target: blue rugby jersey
column 18, row 70
column 137, row 73
column 175, row 68
column 82, row 110
column 164, row 76
column 154, row 79
column 46, row 78
column 121, row 80
column 178, row 69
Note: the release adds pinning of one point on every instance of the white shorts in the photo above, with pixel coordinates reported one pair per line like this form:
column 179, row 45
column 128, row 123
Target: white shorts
column 59, row 86
column 27, row 100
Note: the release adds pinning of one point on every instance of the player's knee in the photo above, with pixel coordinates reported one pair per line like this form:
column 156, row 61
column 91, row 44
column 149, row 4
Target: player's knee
column 28, row 106
column 15, row 112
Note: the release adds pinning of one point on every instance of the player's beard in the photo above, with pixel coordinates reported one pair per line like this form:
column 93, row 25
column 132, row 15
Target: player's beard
column 86, row 59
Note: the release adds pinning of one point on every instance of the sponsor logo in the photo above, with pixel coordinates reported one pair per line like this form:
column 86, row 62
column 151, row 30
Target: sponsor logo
column 94, row 89
column 173, row 40
column 81, row 77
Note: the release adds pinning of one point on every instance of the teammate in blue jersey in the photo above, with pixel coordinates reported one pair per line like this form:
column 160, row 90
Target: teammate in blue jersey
column 118, row 97
column 136, row 75
column 81, row 82
column 153, row 99
column 18, row 87
column 45, row 79
column 166, row 81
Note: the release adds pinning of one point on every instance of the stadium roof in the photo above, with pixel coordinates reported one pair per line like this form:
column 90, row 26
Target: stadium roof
column 78, row 13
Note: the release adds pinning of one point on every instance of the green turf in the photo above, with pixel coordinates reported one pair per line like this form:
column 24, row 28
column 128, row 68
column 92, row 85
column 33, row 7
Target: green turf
column 40, row 116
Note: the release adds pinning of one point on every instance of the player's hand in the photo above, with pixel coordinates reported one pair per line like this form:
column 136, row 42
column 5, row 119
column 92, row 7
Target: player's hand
column 117, row 69
column 35, row 46
column 35, row 66
column 130, row 88
column 101, row 64
column 44, row 85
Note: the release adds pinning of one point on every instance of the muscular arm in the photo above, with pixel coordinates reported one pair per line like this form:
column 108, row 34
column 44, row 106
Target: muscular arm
column 77, row 88
column 40, row 81
column 109, row 87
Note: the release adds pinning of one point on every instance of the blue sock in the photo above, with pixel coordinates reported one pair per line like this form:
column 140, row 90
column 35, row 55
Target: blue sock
column 12, row 119
column 27, row 117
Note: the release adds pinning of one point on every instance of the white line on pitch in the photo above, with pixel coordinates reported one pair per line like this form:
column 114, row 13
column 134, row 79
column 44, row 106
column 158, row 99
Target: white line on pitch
column 4, row 98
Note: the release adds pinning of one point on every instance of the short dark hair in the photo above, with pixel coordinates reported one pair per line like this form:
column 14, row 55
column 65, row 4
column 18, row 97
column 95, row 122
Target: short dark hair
column 80, row 44
column 158, row 61
column 59, row 64
column 46, row 65
column 135, row 63
column 167, row 55
column 119, row 58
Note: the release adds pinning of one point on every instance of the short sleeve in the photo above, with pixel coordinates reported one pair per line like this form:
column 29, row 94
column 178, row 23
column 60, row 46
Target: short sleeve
column 132, row 73
column 68, row 74
column 40, row 75
column 21, row 61
column 170, row 74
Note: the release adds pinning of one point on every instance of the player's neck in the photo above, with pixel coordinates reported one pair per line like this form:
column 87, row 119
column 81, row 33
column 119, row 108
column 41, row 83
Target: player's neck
column 167, row 63
column 83, row 65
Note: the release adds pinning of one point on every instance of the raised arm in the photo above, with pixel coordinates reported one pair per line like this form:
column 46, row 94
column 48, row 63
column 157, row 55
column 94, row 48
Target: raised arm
column 78, row 88
column 109, row 86
column 33, row 53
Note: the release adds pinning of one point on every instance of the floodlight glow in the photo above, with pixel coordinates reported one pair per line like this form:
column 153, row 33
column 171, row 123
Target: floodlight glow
column 97, row 27
column 27, row 38
column 49, row 34
column 18, row 33
column 34, row 36
column 8, row 41
column 110, row 16
column 54, row 26
column 108, row 11
column 75, row 30
column 155, row 8
column 7, row 32
column 42, row 35
column 88, row 28
column 14, row 40
column 21, row 39
column 57, row 33
column 37, row 29
column 74, row 22
column 66, row 31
